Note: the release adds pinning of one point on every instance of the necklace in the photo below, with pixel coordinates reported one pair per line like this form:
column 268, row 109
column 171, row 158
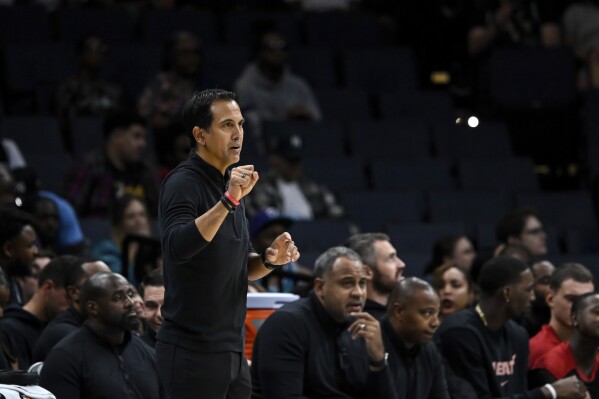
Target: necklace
column 481, row 314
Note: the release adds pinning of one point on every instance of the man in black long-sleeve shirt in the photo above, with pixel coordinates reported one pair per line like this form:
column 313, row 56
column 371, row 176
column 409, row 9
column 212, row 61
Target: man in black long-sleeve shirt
column 490, row 351
column 415, row 363
column 323, row 346
column 208, row 257
column 71, row 319
column 103, row 359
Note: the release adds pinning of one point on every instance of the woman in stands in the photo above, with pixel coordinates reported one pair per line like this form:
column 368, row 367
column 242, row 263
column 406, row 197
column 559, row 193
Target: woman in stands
column 455, row 289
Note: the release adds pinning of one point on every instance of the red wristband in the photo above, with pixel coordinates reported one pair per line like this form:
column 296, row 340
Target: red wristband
column 230, row 197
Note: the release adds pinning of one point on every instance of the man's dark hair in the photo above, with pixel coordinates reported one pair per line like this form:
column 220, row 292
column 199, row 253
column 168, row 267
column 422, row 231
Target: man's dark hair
column 58, row 270
column 444, row 246
column 404, row 291
column 518, row 251
column 76, row 270
column 567, row 271
column 324, row 263
column 197, row 112
column 363, row 245
column 12, row 222
column 498, row 272
column 578, row 301
column 512, row 224
column 120, row 120
column 153, row 279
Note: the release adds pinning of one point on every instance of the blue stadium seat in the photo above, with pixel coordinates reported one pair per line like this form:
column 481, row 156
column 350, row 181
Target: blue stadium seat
column 488, row 140
column 421, row 237
column 389, row 139
column 342, row 31
column 344, row 105
column 158, row 25
column 86, row 134
column 512, row 174
column 24, row 24
column 420, row 174
column 224, row 64
column 115, row 26
column 319, row 235
column 320, row 139
column 430, row 106
column 316, row 65
column 468, row 207
column 563, row 209
column 337, row 174
column 374, row 210
column 240, row 26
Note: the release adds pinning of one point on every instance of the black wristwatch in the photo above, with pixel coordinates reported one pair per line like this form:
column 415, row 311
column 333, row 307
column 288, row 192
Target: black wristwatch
column 381, row 363
column 267, row 265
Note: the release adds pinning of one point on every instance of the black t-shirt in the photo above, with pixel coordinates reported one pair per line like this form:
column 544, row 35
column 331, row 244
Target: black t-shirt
column 205, row 282
column 22, row 330
column 62, row 325
column 495, row 363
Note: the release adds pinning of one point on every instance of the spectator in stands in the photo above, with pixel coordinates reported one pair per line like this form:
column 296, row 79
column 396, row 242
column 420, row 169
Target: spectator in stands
column 569, row 281
column 69, row 239
column 163, row 98
column 383, row 269
column 539, row 311
column 103, row 359
column 18, row 241
column 45, row 213
column 577, row 356
column 523, row 227
column 88, row 93
column 117, row 170
column 456, row 291
column 71, row 319
column 128, row 216
column 486, row 348
column 267, row 225
column 153, row 296
column 323, row 345
column 268, row 90
column 456, row 250
column 287, row 189
column 414, row 360
column 4, row 292
column 581, row 31
column 23, row 326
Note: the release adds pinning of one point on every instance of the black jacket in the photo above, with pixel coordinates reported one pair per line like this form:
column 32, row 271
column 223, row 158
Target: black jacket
column 205, row 282
column 22, row 330
column 418, row 372
column 62, row 325
column 301, row 352
column 86, row 366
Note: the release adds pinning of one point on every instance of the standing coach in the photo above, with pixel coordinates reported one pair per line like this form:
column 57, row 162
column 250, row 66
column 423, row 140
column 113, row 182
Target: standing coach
column 208, row 258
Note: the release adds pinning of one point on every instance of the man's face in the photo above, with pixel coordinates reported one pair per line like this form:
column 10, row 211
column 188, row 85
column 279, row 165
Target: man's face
column 542, row 272
column 560, row 302
column 418, row 318
column 273, row 50
column 521, row 294
column 153, row 300
column 188, row 56
column 533, row 237
column 115, row 307
column 131, row 142
column 221, row 145
column 21, row 251
column 343, row 290
column 588, row 318
column 388, row 269
column 46, row 215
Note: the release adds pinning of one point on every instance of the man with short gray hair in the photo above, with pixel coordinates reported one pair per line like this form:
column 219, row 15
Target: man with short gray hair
column 324, row 345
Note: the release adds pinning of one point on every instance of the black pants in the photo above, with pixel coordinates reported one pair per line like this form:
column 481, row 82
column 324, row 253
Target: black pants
column 187, row 374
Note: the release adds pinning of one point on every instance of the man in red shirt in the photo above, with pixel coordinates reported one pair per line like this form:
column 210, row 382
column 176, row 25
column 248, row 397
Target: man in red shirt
column 569, row 281
column 578, row 356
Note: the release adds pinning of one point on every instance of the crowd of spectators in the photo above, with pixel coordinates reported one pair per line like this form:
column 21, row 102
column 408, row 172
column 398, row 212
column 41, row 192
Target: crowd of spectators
column 479, row 317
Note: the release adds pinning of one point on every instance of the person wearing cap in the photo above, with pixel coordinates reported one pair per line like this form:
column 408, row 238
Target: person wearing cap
column 267, row 225
column 208, row 256
column 287, row 189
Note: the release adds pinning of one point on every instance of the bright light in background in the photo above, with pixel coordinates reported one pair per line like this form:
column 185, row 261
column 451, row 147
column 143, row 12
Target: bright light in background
column 473, row 121
column 458, row 121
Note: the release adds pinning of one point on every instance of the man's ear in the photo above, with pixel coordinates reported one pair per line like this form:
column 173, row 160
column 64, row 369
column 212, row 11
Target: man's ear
column 549, row 298
column 7, row 249
column 73, row 293
column 368, row 273
column 507, row 293
column 318, row 286
column 199, row 135
column 91, row 308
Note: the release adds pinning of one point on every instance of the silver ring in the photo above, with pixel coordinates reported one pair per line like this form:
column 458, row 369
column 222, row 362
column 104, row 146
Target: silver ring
column 243, row 175
column 362, row 326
